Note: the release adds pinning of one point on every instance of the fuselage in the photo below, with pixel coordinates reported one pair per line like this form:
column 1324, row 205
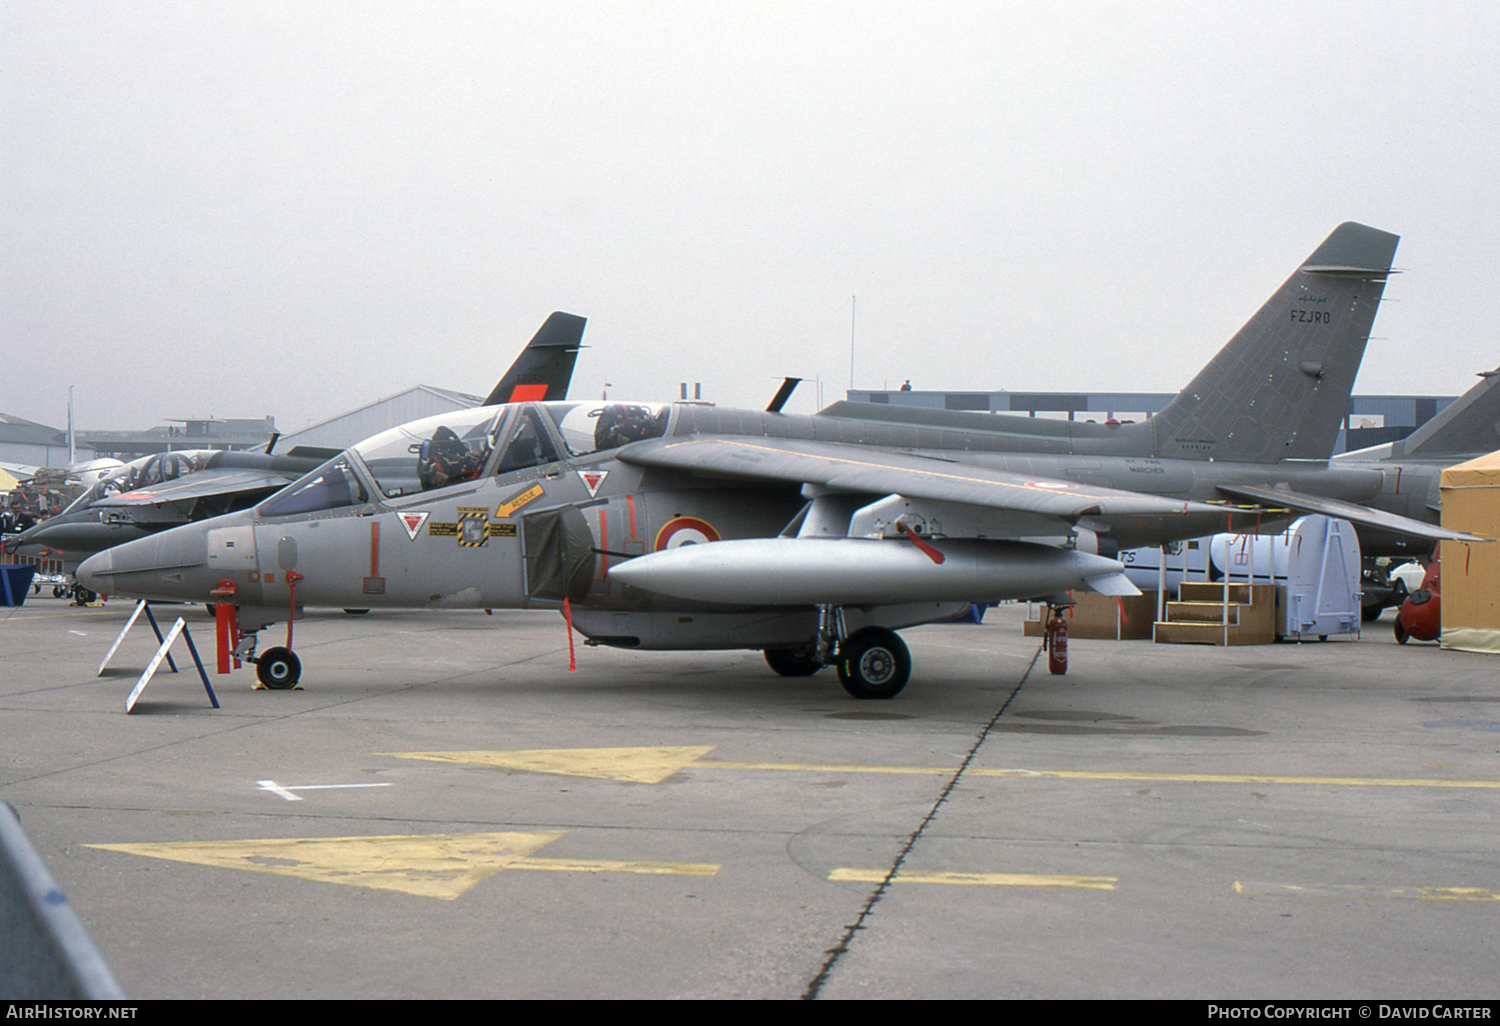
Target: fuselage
column 530, row 503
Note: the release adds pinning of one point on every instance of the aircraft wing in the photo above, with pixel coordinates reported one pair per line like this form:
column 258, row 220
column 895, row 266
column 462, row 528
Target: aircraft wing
column 860, row 469
column 1360, row 516
column 200, row 485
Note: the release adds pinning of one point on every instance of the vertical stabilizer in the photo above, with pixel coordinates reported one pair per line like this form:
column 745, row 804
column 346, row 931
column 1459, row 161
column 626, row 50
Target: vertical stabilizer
column 1280, row 388
column 1468, row 426
column 545, row 367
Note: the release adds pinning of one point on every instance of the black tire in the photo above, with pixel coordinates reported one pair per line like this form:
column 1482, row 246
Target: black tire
column 1401, row 634
column 278, row 668
column 58, row 591
column 874, row 663
column 356, row 612
column 792, row 662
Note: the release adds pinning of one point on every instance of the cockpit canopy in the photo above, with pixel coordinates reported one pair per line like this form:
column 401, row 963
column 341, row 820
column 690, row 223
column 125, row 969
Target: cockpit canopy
column 594, row 427
column 143, row 473
column 431, row 453
column 452, row 448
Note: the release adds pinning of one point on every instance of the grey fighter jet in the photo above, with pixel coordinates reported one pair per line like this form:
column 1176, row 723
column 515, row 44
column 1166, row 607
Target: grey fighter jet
column 813, row 538
column 158, row 492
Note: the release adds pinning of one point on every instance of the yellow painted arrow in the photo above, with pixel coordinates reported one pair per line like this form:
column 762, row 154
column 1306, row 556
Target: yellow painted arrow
column 653, row 765
column 426, row 865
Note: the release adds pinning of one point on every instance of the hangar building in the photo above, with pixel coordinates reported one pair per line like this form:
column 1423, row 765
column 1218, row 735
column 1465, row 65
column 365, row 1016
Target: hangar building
column 346, row 429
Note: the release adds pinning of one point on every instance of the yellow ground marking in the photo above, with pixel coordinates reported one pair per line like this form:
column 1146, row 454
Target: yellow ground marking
column 1091, row 883
column 1367, row 891
column 653, row 765
column 426, row 865
column 617, row 866
column 72, row 611
column 641, row 765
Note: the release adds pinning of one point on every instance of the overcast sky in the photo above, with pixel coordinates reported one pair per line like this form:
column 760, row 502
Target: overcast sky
column 242, row 209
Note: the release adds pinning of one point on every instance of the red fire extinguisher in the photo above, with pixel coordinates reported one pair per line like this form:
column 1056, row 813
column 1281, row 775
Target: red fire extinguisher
column 1057, row 643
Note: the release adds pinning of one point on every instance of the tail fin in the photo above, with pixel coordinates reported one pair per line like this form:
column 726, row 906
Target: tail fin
column 1468, row 426
column 545, row 367
column 1280, row 388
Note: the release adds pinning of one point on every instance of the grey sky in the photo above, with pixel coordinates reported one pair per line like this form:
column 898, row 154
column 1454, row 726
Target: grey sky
column 241, row 209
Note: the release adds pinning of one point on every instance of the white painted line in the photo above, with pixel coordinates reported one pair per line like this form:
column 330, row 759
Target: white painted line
column 286, row 792
column 274, row 788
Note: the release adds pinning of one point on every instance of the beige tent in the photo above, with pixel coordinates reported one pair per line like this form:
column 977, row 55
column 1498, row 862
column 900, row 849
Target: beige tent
column 7, row 480
column 1471, row 572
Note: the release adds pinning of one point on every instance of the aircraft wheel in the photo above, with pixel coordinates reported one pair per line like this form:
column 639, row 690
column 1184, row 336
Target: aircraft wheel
column 356, row 612
column 1401, row 634
column 874, row 663
column 792, row 662
column 278, row 668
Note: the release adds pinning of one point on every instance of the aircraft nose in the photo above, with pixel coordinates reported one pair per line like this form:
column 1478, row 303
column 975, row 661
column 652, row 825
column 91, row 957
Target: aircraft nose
column 164, row 566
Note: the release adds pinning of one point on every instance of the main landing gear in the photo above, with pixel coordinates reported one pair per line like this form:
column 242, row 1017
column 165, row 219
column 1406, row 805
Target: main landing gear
column 874, row 663
column 871, row 663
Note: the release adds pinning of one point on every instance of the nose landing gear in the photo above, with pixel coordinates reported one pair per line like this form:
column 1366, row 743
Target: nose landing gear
column 278, row 668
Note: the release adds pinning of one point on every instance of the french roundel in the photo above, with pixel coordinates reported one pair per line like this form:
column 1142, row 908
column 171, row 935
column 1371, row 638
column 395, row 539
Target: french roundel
column 685, row 531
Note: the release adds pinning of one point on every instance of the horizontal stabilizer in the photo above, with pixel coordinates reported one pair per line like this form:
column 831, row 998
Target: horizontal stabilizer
column 1360, row 516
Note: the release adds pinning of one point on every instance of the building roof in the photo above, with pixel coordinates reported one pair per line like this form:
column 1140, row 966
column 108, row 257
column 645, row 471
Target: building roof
column 18, row 430
column 462, row 399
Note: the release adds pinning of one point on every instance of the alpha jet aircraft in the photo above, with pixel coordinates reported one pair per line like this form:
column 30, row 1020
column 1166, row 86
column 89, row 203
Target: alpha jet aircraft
column 813, row 538
column 165, row 490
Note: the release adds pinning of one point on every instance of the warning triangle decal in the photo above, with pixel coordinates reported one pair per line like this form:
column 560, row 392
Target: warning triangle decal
column 413, row 522
column 592, row 479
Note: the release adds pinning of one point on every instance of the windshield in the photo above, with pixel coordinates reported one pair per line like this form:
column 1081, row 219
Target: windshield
column 590, row 427
column 331, row 486
column 431, row 453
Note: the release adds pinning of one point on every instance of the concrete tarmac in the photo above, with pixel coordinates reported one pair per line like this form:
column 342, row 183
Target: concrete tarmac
column 446, row 811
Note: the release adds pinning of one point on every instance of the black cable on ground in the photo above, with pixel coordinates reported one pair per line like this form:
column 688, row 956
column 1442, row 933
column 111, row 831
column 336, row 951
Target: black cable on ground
column 837, row 952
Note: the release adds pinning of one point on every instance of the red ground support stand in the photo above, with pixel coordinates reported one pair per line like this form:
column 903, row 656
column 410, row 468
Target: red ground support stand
column 226, row 624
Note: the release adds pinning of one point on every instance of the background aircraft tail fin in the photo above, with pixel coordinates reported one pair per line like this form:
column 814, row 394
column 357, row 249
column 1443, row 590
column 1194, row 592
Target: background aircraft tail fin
column 1280, row 388
column 545, row 367
column 1470, row 425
